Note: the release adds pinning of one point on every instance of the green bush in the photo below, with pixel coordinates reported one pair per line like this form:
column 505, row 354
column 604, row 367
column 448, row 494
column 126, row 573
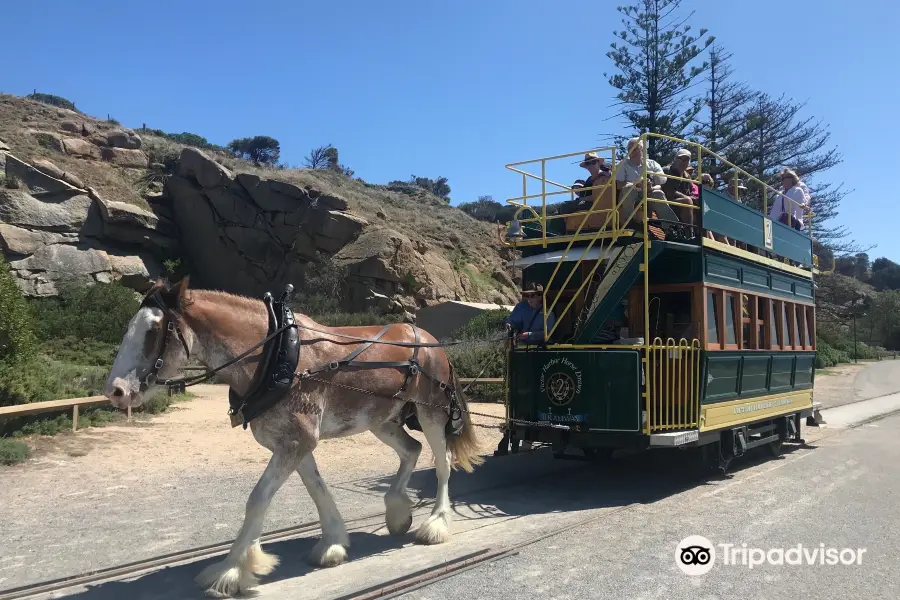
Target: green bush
column 481, row 355
column 98, row 312
column 17, row 339
column 52, row 100
column 41, row 378
column 13, row 451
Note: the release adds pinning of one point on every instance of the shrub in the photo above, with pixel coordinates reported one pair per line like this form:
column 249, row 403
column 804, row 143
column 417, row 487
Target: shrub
column 12, row 451
column 261, row 149
column 52, row 100
column 481, row 355
column 42, row 378
column 98, row 312
column 17, row 339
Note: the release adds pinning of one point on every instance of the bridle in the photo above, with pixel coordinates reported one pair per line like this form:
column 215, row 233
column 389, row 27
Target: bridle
column 155, row 300
column 173, row 328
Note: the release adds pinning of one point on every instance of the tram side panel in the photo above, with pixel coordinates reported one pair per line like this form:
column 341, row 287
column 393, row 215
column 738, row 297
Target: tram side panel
column 586, row 391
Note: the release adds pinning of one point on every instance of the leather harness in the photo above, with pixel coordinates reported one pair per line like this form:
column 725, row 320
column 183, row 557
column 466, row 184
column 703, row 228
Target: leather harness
column 277, row 367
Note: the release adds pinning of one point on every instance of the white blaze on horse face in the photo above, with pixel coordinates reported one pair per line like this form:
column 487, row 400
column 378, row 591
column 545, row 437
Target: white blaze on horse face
column 123, row 386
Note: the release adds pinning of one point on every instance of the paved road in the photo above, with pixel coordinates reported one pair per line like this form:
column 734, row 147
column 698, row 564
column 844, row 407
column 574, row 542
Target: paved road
column 876, row 379
column 836, row 492
column 841, row 494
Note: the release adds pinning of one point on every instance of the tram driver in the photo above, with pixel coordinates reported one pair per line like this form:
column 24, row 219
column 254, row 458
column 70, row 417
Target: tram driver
column 527, row 318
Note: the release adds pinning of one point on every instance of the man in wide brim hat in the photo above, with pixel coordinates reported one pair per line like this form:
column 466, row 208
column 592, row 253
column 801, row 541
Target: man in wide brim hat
column 591, row 158
column 527, row 318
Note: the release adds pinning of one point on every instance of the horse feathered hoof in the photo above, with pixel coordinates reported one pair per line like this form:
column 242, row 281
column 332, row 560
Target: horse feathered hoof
column 433, row 531
column 327, row 554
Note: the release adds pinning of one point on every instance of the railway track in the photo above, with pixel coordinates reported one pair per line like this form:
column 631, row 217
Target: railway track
column 139, row 567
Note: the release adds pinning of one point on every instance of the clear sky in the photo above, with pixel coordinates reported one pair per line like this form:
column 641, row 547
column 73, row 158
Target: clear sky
column 455, row 89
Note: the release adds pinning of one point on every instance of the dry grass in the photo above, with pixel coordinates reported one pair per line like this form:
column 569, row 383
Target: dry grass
column 22, row 120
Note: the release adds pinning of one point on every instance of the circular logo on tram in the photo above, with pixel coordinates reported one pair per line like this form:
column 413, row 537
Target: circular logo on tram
column 560, row 380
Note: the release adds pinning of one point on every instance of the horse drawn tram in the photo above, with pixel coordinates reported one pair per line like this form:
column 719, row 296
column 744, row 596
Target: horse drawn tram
column 670, row 323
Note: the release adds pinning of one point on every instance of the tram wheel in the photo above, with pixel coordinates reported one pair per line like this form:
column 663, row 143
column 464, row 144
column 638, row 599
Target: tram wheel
column 775, row 447
column 713, row 460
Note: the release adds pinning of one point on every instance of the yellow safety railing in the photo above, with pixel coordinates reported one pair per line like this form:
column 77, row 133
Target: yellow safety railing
column 605, row 234
column 673, row 385
column 702, row 151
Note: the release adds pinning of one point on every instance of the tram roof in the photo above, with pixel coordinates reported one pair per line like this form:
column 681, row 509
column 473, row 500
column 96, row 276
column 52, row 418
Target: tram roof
column 556, row 256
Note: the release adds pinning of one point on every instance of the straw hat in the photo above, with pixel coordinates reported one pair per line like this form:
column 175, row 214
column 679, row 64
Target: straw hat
column 591, row 157
column 533, row 290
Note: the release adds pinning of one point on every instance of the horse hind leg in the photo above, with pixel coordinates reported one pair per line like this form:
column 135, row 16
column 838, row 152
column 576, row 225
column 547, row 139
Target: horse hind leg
column 436, row 529
column 398, row 506
column 236, row 574
column 332, row 548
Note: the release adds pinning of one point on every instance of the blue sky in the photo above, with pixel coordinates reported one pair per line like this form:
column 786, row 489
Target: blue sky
column 455, row 89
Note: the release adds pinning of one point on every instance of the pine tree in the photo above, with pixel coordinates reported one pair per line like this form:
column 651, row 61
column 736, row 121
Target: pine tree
column 654, row 53
column 722, row 125
column 780, row 136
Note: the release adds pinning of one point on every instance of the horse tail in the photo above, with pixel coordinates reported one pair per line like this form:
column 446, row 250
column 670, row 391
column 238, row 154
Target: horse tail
column 464, row 447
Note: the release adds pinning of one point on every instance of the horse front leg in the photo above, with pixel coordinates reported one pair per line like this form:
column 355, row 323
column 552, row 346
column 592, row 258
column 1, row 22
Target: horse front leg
column 236, row 574
column 332, row 548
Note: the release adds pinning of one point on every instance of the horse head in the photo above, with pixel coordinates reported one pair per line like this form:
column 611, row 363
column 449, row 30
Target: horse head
column 156, row 345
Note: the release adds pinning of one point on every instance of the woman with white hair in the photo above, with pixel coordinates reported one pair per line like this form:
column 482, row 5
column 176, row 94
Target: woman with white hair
column 630, row 185
column 790, row 207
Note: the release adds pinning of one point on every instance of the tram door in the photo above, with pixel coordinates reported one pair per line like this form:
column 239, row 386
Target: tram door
column 674, row 360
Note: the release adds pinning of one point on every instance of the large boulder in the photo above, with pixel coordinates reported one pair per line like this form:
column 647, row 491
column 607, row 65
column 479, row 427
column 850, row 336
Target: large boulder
column 41, row 273
column 59, row 212
column 36, row 179
column 132, row 159
column 81, row 148
column 247, row 234
column 123, row 138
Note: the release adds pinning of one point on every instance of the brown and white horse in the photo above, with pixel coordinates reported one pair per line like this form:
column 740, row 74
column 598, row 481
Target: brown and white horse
column 214, row 327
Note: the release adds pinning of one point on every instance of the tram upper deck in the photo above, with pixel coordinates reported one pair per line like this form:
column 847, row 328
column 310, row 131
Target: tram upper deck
column 590, row 256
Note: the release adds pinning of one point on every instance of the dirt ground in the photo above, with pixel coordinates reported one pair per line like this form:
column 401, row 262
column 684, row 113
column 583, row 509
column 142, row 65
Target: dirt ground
column 197, row 435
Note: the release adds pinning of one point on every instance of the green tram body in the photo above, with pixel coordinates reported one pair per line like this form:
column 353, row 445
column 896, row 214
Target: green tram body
column 729, row 360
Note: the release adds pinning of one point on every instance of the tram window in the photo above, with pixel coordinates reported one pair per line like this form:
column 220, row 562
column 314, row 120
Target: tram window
column 670, row 315
column 773, row 323
column 797, row 312
column 729, row 320
column 746, row 328
column 712, row 318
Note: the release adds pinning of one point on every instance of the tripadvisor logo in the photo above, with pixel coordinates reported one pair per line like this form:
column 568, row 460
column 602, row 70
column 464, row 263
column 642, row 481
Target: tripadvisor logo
column 560, row 380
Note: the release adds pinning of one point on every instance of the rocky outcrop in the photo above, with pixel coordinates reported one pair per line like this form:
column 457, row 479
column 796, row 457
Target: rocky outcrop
column 53, row 232
column 246, row 234
column 250, row 235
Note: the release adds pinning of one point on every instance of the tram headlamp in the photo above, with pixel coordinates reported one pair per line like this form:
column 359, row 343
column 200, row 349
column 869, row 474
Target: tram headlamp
column 514, row 233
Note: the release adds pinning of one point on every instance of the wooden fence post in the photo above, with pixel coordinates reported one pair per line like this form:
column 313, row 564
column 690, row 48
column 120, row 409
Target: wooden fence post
column 75, row 418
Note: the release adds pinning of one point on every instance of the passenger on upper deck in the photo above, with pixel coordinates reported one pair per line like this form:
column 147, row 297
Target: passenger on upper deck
column 527, row 318
column 791, row 209
column 677, row 190
column 599, row 172
column 629, row 184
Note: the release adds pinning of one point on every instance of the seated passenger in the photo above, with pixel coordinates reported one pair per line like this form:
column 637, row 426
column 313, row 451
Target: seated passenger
column 677, row 190
column 790, row 207
column 631, row 187
column 527, row 318
column 599, row 175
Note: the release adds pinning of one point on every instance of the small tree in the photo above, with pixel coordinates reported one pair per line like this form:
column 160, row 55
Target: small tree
column 326, row 157
column 261, row 149
column 17, row 339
